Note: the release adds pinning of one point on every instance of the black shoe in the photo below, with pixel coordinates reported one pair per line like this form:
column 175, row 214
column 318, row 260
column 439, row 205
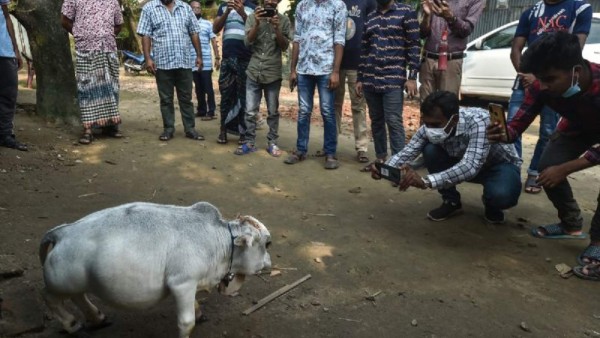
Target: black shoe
column 494, row 216
column 10, row 141
column 446, row 210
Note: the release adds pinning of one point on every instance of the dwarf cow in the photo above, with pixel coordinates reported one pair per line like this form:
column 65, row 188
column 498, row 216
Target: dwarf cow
column 134, row 255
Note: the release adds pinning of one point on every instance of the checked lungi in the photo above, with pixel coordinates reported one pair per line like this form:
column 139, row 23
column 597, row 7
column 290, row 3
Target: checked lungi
column 98, row 88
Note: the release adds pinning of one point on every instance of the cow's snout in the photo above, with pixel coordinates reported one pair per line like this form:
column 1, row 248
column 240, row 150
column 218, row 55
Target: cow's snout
column 267, row 261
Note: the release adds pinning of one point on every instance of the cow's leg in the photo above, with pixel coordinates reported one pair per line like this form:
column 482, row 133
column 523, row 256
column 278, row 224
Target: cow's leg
column 200, row 317
column 56, row 304
column 185, row 298
column 95, row 317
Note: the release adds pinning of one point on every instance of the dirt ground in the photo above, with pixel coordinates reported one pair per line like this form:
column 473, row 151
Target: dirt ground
column 355, row 236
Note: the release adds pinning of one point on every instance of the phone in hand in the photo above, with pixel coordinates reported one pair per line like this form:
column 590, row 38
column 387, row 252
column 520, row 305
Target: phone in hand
column 497, row 116
column 292, row 85
column 269, row 12
column 388, row 172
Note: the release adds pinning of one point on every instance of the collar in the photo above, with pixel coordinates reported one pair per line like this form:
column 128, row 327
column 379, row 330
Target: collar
column 178, row 3
column 229, row 275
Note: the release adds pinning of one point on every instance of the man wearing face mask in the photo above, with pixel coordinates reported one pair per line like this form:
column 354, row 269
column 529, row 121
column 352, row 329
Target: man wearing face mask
column 570, row 86
column 574, row 16
column 455, row 149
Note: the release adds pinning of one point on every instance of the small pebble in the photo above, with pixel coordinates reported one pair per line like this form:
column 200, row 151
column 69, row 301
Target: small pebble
column 525, row 327
column 414, row 322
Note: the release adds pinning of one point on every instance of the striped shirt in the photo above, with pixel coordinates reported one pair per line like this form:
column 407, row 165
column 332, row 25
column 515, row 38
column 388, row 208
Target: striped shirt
column 469, row 144
column 170, row 33
column 390, row 44
column 580, row 114
column 206, row 35
column 234, row 33
column 320, row 25
column 467, row 14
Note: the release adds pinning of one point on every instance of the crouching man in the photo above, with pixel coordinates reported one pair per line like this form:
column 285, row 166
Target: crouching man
column 455, row 148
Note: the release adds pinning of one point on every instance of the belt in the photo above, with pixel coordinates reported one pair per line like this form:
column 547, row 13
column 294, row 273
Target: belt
column 451, row 56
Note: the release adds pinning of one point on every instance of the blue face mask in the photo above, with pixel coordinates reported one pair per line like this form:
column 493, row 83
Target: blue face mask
column 574, row 89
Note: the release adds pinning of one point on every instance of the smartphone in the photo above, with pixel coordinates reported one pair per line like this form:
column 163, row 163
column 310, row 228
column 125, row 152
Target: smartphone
column 292, row 85
column 498, row 116
column 388, row 172
column 269, row 12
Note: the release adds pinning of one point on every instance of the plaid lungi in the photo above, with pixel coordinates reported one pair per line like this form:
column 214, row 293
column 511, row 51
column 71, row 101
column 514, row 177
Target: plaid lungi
column 98, row 88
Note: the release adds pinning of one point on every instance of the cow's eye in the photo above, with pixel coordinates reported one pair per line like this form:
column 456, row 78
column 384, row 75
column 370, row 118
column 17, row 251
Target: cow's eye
column 268, row 244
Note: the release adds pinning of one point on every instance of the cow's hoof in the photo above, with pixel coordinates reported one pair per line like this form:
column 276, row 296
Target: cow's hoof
column 201, row 319
column 94, row 327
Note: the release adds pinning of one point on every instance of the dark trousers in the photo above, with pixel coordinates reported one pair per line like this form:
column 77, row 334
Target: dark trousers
column 385, row 109
column 561, row 149
column 205, row 93
column 8, row 94
column 180, row 80
column 232, row 85
column 501, row 182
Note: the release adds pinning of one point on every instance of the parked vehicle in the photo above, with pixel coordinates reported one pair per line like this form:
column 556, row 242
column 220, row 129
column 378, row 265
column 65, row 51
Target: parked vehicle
column 133, row 63
column 488, row 71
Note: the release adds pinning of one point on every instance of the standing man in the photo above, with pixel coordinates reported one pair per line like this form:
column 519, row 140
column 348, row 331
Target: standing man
column 316, row 57
column 94, row 25
column 10, row 63
column 267, row 36
column 358, row 10
column 166, row 27
column 231, row 18
column 388, row 65
column 458, row 18
column 573, row 16
column 203, row 77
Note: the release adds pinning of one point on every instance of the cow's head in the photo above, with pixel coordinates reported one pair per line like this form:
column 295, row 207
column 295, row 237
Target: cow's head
column 249, row 252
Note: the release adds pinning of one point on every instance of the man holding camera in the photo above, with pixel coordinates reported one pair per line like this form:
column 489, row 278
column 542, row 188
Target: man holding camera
column 268, row 34
column 455, row 148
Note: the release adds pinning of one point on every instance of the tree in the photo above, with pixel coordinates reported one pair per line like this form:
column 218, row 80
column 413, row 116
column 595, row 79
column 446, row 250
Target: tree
column 56, row 86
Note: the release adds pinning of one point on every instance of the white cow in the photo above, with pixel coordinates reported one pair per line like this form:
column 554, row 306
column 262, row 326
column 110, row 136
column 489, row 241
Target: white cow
column 135, row 255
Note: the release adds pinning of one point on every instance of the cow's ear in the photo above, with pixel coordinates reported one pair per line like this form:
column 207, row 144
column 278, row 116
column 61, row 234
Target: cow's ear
column 243, row 240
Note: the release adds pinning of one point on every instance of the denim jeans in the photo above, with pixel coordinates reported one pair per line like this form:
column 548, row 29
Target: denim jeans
column 254, row 93
column 181, row 80
column 8, row 94
column 501, row 182
column 306, row 92
column 548, row 121
column 205, row 93
column 386, row 109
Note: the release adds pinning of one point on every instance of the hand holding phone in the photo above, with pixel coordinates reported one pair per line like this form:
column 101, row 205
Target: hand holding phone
column 392, row 174
column 269, row 12
column 498, row 119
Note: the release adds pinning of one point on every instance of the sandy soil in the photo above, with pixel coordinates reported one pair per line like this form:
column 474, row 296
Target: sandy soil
column 458, row 278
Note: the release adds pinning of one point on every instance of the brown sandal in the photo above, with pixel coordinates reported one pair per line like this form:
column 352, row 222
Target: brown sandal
column 295, row 158
column 86, row 138
column 361, row 157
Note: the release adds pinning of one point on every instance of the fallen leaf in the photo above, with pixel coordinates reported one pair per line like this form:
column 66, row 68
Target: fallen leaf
column 275, row 273
column 318, row 260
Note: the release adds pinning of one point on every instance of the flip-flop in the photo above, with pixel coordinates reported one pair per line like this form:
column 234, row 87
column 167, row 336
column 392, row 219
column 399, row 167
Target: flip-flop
column 245, row 149
column 554, row 231
column 194, row 135
column 591, row 252
column 222, row 139
column 593, row 272
column 294, row 158
column 274, row 150
column 531, row 185
column 165, row 136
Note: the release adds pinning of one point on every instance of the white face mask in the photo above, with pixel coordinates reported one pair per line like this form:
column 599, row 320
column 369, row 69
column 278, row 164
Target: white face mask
column 438, row 135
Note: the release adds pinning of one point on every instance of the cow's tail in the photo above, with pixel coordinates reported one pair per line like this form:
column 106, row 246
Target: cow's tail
column 50, row 238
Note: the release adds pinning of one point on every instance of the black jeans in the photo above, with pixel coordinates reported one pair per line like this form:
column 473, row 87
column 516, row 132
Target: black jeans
column 180, row 80
column 205, row 92
column 564, row 148
column 8, row 94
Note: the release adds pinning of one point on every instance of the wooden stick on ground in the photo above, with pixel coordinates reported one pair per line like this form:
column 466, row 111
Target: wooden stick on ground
column 275, row 294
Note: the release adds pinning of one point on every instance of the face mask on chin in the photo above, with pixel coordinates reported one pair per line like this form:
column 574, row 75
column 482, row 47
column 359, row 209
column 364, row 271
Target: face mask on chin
column 574, row 89
column 438, row 135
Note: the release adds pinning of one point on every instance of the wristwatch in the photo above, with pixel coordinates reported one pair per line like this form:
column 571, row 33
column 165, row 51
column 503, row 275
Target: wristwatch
column 426, row 182
column 412, row 74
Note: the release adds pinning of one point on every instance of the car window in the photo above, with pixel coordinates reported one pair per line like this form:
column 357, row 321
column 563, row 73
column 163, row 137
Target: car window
column 594, row 36
column 501, row 39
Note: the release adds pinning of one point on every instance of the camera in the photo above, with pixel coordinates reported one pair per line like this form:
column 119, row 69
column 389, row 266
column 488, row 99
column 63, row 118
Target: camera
column 269, row 12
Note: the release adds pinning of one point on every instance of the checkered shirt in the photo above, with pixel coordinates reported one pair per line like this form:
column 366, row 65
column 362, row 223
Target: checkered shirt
column 170, row 33
column 469, row 144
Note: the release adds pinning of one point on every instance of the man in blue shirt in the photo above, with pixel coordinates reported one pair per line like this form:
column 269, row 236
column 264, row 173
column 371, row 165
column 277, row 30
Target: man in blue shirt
column 203, row 77
column 231, row 18
column 573, row 16
column 166, row 26
column 10, row 63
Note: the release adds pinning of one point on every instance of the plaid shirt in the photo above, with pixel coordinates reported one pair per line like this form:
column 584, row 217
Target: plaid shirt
column 579, row 114
column 170, row 33
column 469, row 144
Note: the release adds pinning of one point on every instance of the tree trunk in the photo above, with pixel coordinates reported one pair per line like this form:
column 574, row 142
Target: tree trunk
column 56, row 86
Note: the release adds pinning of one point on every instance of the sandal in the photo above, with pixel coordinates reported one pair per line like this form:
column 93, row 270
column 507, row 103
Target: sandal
column 274, row 150
column 245, row 149
column 165, row 136
column 11, row 142
column 222, row 139
column 367, row 168
column 361, row 156
column 531, row 185
column 590, row 255
column 554, row 231
column 86, row 138
column 295, row 158
column 194, row 135
column 589, row 272
column 242, row 140
column 331, row 162
column 207, row 118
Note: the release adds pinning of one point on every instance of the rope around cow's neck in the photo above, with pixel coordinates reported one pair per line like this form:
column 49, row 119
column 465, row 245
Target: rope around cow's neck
column 229, row 276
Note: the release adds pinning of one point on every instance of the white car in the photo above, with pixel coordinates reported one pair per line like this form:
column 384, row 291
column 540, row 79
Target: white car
column 487, row 69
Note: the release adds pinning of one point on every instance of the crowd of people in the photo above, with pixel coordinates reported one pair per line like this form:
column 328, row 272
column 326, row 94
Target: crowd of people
column 373, row 48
